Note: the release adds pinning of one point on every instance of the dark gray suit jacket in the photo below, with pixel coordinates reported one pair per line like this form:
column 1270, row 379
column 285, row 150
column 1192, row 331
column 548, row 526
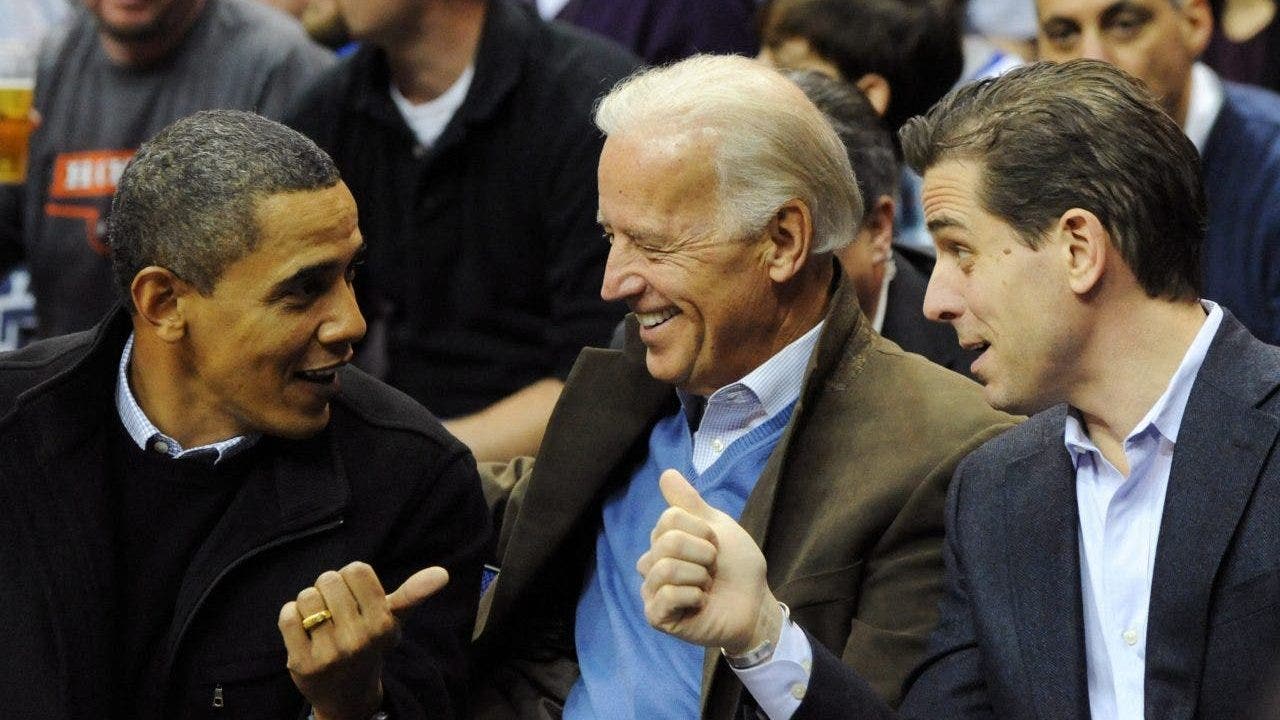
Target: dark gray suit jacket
column 1010, row 642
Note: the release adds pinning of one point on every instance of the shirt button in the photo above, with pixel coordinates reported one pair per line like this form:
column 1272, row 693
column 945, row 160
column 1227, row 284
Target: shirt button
column 161, row 447
column 1130, row 637
column 717, row 445
column 797, row 691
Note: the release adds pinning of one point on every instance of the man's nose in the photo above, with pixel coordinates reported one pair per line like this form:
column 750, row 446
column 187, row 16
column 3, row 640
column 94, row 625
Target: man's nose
column 942, row 302
column 346, row 324
column 1094, row 47
column 620, row 278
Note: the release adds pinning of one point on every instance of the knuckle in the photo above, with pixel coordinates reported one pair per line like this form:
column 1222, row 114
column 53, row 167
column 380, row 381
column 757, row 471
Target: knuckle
column 357, row 568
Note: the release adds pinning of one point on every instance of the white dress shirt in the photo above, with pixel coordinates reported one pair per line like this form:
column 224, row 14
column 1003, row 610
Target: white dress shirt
column 1203, row 105
column 1119, row 525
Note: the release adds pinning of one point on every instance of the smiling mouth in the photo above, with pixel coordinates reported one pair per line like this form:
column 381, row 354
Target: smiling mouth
column 319, row 376
column 650, row 320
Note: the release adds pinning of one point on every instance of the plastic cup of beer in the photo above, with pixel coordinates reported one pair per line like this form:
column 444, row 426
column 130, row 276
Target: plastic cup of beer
column 17, row 91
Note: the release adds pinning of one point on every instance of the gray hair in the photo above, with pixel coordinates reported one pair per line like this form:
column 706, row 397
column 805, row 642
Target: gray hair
column 1053, row 136
column 774, row 145
column 866, row 138
column 187, row 200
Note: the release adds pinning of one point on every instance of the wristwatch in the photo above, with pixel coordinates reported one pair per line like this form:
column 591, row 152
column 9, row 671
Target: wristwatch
column 761, row 653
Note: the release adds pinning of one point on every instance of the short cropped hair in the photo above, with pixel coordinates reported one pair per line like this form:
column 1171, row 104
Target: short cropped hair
column 773, row 144
column 1084, row 134
column 916, row 45
column 187, row 200
column 867, row 141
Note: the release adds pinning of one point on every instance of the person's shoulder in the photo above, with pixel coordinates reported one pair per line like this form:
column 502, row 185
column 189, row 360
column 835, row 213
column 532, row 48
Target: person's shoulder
column 1250, row 119
column 572, row 58
column 378, row 408
column 1253, row 102
column 943, row 399
column 1044, row 430
column 27, row 368
column 266, row 33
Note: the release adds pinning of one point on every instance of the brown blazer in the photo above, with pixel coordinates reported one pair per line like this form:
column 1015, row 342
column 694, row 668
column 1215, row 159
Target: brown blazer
column 848, row 510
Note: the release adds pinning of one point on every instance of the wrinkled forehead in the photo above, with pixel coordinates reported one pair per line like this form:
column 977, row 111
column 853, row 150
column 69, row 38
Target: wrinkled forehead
column 1097, row 10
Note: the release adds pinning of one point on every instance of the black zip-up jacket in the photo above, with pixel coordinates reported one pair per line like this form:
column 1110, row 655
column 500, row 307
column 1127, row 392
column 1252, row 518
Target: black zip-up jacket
column 383, row 483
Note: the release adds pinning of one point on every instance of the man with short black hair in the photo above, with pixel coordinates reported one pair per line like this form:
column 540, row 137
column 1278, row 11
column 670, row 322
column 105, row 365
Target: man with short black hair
column 1107, row 558
column 174, row 477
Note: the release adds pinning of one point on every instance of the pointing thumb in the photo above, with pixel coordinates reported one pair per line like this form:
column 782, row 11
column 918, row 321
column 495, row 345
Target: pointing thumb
column 420, row 586
column 679, row 493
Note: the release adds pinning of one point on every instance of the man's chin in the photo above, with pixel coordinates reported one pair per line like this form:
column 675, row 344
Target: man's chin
column 300, row 427
column 131, row 33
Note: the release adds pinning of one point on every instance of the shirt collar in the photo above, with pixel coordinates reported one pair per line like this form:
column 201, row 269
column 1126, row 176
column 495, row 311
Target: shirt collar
column 777, row 382
column 890, row 271
column 147, row 437
column 1165, row 416
column 1204, row 104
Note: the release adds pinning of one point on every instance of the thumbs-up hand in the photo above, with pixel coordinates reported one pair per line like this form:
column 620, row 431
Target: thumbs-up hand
column 338, row 631
column 704, row 577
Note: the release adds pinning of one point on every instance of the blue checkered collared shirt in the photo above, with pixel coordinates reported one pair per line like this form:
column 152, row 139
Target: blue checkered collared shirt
column 148, row 436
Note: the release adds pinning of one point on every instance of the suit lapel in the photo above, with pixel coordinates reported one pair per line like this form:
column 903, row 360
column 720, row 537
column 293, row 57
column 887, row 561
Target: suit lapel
column 1042, row 537
column 846, row 336
column 1222, row 446
column 622, row 402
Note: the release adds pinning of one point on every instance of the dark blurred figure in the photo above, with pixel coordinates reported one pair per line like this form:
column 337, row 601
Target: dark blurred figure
column 463, row 129
column 662, row 31
column 889, row 281
column 1246, row 42
column 1235, row 127
column 902, row 54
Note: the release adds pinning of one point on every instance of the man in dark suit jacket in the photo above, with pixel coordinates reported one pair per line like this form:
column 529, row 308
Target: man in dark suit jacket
column 1235, row 127
column 1115, row 556
column 748, row 368
column 199, row 501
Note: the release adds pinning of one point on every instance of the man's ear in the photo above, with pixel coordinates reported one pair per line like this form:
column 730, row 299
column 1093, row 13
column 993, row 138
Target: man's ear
column 879, row 221
column 877, row 90
column 157, row 297
column 1085, row 249
column 790, row 237
column 1196, row 24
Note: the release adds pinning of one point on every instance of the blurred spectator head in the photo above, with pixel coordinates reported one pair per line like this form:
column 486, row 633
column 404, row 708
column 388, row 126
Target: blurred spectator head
column 1156, row 41
column 904, row 54
column 870, row 149
column 1085, row 135
column 144, row 21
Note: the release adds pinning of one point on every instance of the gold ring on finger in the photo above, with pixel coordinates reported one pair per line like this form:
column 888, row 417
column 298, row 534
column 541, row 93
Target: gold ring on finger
column 314, row 620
